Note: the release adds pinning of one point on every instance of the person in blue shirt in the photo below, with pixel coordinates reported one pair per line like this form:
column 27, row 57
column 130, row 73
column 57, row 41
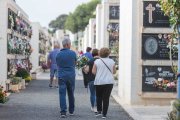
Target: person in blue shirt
column 52, row 65
column 88, row 53
column 66, row 60
column 90, row 57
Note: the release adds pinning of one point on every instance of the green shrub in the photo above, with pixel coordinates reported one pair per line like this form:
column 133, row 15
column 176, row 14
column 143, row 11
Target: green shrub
column 15, row 80
column 176, row 108
column 28, row 79
column 21, row 72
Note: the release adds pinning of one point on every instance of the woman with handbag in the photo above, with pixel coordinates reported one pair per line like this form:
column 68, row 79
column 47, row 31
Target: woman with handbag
column 103, row 68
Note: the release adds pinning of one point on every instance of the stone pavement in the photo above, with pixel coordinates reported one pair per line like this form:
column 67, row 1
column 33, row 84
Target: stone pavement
column 141, row 112
column 39, row 102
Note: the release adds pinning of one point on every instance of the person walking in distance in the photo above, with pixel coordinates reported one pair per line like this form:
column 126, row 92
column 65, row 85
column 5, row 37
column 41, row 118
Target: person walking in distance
column 66, row 60
column 91, row 78
column 52, row 65
column 103, row 68
column 90, row 57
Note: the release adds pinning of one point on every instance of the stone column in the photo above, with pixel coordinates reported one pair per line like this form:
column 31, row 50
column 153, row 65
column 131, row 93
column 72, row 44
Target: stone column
column 91, row 33
column 129, row 55
column 98, row 25
column 86, row 37
column 35, row 44
column 3, row 41
column 104, row 23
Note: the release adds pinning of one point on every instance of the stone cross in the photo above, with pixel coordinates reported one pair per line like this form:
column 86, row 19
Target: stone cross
column 113, row 11
column 150, row 8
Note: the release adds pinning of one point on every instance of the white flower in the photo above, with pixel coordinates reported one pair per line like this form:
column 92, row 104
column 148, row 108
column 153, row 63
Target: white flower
column 160, row 79
column 168, row 85
column 172, row 84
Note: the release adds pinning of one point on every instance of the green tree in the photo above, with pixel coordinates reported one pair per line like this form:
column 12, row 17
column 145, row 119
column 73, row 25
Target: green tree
column 79, row 19
column 171, row 8
column 59, row 22
column 71, row 23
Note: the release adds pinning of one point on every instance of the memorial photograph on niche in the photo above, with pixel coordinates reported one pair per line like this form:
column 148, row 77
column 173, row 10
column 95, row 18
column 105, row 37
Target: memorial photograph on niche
column 158, row 79
column 153, row 16
column 155, row 47
column 114, row 12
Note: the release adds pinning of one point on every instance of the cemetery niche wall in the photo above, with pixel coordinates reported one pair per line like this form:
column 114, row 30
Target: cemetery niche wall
column 42, row 47
column 18, row 42
column 144, row 62
column 156, row 77
column 113, row 29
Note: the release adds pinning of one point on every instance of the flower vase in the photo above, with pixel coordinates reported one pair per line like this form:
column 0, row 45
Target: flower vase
column 19, row 85
column 15, row 88
column 33, row 76
column 23, row 84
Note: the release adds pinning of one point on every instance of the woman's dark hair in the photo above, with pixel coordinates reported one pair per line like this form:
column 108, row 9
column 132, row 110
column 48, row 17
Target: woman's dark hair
column 95, row 52
column 88, row 49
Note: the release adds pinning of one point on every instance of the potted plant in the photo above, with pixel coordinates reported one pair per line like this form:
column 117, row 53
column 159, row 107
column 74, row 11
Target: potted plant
column 20, row 83
column 15, row 84
column 28, row 79
column 21, row 72
column 3, row 95
column 44, row 66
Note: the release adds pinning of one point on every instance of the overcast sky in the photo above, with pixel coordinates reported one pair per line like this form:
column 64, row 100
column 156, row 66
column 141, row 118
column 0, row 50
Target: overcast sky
column 44, row 11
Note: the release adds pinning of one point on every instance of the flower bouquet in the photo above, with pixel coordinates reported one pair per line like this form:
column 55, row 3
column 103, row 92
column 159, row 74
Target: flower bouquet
column 81, row 62
column 163, row 84
column 3, row 95
column 44, row 66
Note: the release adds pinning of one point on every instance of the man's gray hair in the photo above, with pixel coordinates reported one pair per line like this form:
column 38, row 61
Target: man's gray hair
column 66, row 41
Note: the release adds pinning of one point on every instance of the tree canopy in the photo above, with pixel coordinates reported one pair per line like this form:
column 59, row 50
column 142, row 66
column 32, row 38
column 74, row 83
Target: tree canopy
column 79, row 19
column 76, row 21
column 59, row 22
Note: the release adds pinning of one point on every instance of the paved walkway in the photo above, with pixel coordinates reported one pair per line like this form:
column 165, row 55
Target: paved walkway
column 140, row 112
column 38, row 102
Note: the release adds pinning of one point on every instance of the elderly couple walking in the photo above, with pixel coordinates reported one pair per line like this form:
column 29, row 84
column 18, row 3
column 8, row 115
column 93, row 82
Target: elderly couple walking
column 102, row 69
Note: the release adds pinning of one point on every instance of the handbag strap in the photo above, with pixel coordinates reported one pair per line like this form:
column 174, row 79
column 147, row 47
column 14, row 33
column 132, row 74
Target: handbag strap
column 106, row 66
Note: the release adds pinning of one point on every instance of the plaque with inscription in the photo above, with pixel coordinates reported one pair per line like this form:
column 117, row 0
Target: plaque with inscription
column 158, row 79
column 153, row 16
column 114, row 12
column 155, row 47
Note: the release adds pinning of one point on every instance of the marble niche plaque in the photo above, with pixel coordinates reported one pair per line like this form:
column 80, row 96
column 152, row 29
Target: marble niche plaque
column 153, row 16
column 114, row 12
column 158, row 79
column 155, row 47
